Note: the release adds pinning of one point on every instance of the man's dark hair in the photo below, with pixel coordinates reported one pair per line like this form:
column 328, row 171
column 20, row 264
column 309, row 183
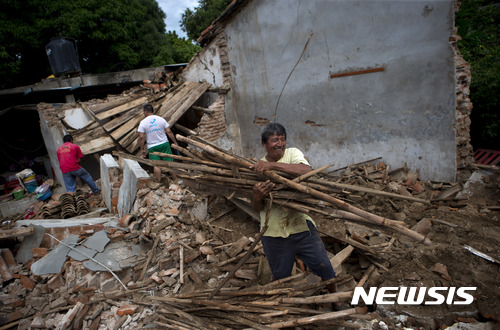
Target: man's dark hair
column 67, row 138
column 271, row 129
column 148, row 108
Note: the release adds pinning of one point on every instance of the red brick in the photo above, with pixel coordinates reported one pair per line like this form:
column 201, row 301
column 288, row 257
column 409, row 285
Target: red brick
column 55, row 282
column 39, row 252
column 78, row 322
column 5, row 271
column 126, row 310
column 14, row 316
column 9, row 259
column 17, row 303
column 27, row 282
column 77, row 288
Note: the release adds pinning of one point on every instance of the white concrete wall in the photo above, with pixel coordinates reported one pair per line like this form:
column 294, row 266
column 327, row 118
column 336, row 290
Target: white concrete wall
column 107, row 163
column 53, row 138
column 283, row 52
column 132, row 172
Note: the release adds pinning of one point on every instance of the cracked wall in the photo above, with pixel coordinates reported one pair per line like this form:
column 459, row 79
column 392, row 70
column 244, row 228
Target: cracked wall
column 350, row 81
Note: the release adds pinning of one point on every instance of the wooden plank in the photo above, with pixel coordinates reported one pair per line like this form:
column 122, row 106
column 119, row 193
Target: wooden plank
column 124, row 129
column 340, row 257
column 195, row 107
column 96, row 145
column 17, row 232
column 115, row 123
column 173, row 103
column 122, row 108
column 133, row 147
column 128, row 138
column 100, row 107
column 172, row 99
column 193, row 97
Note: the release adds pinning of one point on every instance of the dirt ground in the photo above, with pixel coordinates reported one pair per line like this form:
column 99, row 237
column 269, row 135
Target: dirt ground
column 445, row 262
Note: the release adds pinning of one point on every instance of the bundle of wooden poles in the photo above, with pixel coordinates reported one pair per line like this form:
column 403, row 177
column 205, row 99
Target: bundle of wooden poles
column 288, row 302
column 224, row 173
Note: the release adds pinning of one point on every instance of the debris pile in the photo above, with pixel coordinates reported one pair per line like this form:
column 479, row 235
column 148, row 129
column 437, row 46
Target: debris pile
column 183, row 258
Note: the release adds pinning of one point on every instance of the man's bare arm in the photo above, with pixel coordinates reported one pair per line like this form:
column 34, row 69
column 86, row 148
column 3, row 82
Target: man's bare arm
column 142, row 144
column 293, row 169
column 171, row 135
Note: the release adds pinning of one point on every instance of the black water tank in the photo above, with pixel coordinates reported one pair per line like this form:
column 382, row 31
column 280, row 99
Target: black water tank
column 63, row 57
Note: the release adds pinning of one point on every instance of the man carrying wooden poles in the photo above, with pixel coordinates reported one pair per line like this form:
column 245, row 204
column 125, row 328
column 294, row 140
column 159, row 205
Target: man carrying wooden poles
column 289, row 232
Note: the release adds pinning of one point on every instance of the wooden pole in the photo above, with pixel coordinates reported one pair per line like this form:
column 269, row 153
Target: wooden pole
column 313, row 319
column 320, row 195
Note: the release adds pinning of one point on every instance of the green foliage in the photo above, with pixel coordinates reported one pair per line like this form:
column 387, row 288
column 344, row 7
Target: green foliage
column 478, row 23
column 194, row 22
column 176, row 50
column 110, row 35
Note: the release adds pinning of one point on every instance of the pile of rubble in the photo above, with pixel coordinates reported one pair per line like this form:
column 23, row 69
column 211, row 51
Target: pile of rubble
column 184, row 258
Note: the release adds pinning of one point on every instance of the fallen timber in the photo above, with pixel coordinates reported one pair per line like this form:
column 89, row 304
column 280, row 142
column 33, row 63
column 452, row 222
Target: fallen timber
column 302, row 188
column 242, row 185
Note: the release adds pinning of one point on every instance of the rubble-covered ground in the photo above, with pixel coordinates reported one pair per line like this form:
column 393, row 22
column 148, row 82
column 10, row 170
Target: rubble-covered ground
column 177, row 247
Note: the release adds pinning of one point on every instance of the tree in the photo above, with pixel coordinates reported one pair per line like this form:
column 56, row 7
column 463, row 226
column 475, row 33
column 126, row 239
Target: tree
column 109, row 35
column 176, row 50
column 194, row 22
column 477, row 23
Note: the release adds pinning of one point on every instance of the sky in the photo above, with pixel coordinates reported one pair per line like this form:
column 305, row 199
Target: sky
column 173, row 9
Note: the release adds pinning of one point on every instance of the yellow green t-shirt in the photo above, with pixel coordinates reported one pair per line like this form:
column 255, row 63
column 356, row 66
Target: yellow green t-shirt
column 282, row 221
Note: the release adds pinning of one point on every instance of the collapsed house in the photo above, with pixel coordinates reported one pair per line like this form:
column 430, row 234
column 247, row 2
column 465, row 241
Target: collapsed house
column 158, row 255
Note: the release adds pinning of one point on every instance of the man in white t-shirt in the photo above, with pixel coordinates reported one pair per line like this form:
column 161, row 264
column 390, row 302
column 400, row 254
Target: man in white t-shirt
column 153, row 131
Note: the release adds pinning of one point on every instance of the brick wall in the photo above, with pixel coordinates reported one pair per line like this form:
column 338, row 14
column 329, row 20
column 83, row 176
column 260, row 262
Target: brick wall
column 213, row 125
column 465, row 154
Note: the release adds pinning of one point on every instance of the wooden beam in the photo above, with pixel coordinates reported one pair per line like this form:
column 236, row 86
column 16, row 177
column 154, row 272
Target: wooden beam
column 17, row 232
column 122, row 108
column 195, row 107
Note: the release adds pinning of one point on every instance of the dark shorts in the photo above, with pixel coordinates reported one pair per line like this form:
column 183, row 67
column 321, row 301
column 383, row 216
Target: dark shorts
column 280, row 253
column 163, row 148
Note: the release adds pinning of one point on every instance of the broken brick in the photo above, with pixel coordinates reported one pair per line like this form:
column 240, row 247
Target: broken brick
column 27, row 282
column 40, row 252
column 14, row 316
column 126, row 310
column 55, row 282
column 5, row 271
column 9, row 259
column 69, row 316
column 38, row 322
column 157, row 279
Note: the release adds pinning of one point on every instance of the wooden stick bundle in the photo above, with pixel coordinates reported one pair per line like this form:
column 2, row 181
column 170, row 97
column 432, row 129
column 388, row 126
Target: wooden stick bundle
column 226, row 158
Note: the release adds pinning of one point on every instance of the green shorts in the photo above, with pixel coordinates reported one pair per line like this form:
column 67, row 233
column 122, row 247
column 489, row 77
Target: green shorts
column 163, row 148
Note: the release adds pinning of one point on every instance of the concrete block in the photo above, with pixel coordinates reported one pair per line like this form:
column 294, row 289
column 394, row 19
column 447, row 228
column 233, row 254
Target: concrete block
column 81, row 253
column 108, row 164
column 52, row 263
column 10, row 208
column 132, row 173
column 98, row 241
column 29, row 243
